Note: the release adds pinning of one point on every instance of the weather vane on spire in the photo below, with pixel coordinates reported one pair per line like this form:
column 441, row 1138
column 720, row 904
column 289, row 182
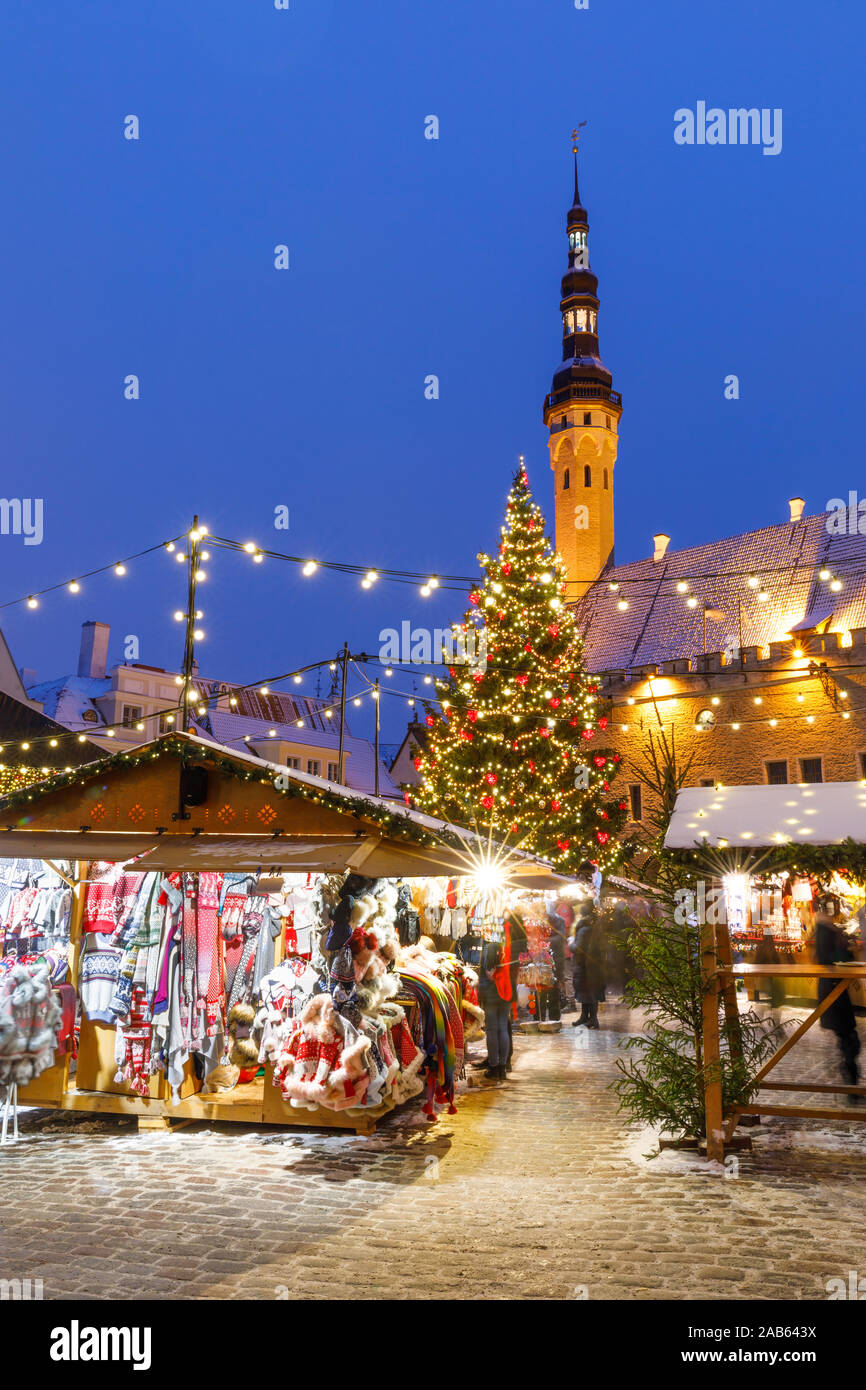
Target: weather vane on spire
column 575, row 137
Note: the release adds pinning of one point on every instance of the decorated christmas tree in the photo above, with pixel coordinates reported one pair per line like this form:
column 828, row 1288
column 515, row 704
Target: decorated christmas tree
column 516, row 745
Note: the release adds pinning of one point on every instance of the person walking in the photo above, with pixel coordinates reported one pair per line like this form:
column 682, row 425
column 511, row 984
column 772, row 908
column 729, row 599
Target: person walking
column 588, row 971
column 831, row 947
column 496, row 992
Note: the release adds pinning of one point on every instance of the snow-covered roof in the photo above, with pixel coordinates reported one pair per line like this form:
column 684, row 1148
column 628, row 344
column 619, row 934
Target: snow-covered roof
column 820, row 813
column 66, row 698
column 659, row 626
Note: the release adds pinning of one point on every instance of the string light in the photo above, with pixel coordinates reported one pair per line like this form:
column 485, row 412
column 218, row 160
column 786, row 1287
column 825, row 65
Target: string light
column 120, row 569
column 74, row 587
column 310, row 567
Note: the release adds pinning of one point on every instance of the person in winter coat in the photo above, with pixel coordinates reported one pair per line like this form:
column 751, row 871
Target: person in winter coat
column 588, row 972
column 831, row 947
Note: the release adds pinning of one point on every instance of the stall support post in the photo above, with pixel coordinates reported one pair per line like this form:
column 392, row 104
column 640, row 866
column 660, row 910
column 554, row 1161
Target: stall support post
column 712, row 1055
column 189, row 636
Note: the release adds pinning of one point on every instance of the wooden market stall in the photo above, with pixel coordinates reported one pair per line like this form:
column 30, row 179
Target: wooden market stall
column 182, row 803
column 737, row 831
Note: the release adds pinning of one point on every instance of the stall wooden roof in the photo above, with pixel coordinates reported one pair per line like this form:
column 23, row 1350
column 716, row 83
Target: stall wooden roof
column 254, row 814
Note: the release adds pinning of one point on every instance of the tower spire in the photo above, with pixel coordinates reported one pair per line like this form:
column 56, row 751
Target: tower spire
column 582, row 414
column 575, row 141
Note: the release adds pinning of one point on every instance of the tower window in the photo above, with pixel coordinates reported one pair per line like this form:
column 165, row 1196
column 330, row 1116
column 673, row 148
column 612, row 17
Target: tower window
column 605, row 480
column 587, row 417
column 566, row 480
column 607, row 422
column 587, row 476
column 635, row 798
column 777, row 773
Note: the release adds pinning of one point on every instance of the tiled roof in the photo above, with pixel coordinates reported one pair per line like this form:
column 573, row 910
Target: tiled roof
column 231, row 731
column 659, row 626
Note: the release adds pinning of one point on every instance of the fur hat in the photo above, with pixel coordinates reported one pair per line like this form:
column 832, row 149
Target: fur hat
column 243, row 1050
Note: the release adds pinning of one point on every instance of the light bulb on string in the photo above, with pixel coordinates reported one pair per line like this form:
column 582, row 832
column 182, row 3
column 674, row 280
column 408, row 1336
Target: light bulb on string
column 74, row 587
column 310, row 567
column 32, row 602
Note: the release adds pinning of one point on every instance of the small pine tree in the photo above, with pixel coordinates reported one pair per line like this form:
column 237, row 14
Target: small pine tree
column 516, row 748
column 663, row 1073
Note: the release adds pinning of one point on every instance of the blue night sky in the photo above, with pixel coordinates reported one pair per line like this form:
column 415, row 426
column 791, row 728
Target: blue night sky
column 408, row 257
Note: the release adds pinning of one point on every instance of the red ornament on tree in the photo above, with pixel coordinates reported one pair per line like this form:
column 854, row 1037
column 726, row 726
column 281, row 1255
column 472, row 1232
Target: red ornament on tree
column 555, row 702
column 506, row 568
column 487, row 802
column 545, row 733
column 555, row 805
column 527, row 646
column 602, row 723
column 430, row 721
column 474, row 598
column 521, row 680
column 491, row 779
column 472, row 715
column 602, row 836
column 563, row 844
column 599, row 760
column 586, row 733
column 417, row 762
column 554, row 629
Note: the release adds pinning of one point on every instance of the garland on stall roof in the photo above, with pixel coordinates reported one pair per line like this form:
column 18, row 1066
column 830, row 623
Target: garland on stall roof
column 847, row 859
column 359, row 807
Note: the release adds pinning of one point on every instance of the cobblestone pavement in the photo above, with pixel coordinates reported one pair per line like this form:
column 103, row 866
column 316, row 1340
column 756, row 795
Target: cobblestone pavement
column 533, row 1190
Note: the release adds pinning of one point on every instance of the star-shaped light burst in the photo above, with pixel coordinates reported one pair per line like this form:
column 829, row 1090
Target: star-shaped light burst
column 493, row 866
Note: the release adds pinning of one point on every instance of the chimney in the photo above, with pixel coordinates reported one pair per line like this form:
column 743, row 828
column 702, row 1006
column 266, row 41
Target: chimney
column 660, row 543
column 93, row 657
column 796, row 504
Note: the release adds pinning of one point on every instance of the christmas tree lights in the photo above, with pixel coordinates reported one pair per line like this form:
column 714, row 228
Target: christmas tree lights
column 516, row 749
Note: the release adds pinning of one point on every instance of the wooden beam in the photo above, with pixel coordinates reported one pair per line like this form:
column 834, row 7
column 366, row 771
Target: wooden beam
column 851, row 970
column 813, row 1087
column 804, row 1028
column 798, row 1112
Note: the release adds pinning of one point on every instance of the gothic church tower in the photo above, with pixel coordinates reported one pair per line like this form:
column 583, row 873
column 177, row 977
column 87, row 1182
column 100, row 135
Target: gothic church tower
column 582, row 416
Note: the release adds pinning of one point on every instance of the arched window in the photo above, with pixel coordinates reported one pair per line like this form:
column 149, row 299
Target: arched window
column 587, row 476
column 566, row 480
column 605, row 480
